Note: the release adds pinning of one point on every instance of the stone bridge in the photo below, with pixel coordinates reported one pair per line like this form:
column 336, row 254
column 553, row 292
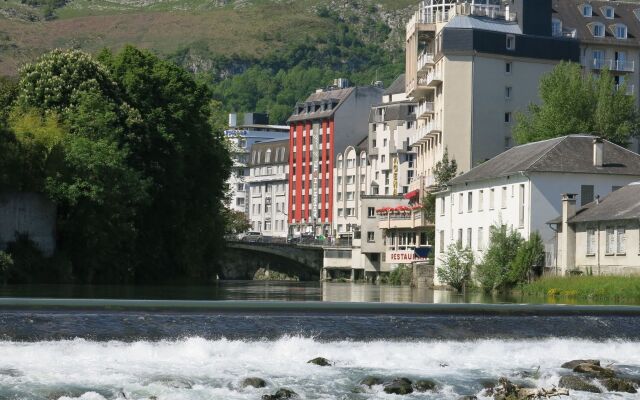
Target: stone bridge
column 304, row 257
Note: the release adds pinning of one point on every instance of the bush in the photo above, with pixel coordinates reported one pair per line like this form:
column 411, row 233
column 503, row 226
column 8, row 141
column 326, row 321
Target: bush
column 401, row 275
column 530, row 254
column 6, row 263
column 456, row 267
column 494, row 273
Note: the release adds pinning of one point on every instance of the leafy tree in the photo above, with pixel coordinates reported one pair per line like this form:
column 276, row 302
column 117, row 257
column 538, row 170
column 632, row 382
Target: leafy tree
column 457, row 264
column 445, row 169
column 495, row 270
column 6, row 263
column 8, row 93
column 573, row 103
column 530, row 254
column 236, row 221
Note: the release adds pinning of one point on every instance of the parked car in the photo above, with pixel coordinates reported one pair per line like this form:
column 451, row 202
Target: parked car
column 252, row 237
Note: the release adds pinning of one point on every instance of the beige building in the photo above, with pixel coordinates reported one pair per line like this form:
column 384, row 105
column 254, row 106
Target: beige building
column 471, row 66
column 603, row 237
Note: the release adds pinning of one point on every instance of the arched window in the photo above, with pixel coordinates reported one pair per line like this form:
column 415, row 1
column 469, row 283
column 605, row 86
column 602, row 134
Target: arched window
column 597, row 29
column 587, row 10
column 339, row 164
column 608, row 12
column 254, row 157
column 267, row 157
column 620, row 31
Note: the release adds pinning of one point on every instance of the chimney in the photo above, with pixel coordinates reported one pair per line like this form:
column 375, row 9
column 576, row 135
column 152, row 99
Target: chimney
column 567, row 236
column 598, row 152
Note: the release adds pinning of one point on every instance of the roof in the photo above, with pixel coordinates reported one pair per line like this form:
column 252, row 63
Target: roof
column 568, row 11
column 396, row 111
column 397, row 87
column 279, row 152
column 622, row 204
column 484, row 23
column 325, row 97
column 566, row 154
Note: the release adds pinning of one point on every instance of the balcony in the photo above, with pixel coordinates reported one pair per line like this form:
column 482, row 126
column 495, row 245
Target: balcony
column 421, row 182
column 610, row 64
column 402, row 217
column 425, row 132
column 425, row 60
column 424, row 109
column 434, row 79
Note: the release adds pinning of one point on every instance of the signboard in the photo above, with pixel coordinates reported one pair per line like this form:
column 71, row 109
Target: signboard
column 403, row 256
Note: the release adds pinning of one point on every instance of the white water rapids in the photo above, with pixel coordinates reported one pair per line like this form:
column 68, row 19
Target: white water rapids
column 195, row 368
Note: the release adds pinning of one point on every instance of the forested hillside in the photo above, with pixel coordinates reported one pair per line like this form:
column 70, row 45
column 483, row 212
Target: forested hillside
column 261, row 55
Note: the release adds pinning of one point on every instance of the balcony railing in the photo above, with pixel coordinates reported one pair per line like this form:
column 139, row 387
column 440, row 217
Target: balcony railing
column 424, row 60
column 612, row 65
column 434, row 78
column 412, row 219
column 441, row 13
column 424, row 109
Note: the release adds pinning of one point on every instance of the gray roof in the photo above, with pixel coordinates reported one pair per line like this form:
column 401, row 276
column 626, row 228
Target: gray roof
column 396, row 111
column 568, row 11
column 567, row 154
column 327, row 96
column 397, row 87
column 622, row 204
column 484, row 23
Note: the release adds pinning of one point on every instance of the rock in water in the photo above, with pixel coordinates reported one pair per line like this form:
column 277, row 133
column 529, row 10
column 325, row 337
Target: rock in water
column 468, row 397
column 594, row 370
column 320, row 361
column 399, row 386
column 577, row 383
column 574, row 363
column 424, row 385
column 174, row 382
column 283, row 393
column 254, row 382
column 619, row 385
column 371, row 381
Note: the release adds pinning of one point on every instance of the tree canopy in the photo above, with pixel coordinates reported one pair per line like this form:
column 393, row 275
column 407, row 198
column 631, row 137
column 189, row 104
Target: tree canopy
column 124, row 146
column 572, row 102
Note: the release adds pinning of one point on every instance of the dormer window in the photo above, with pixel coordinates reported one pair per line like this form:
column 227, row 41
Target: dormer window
column 597, row 29
column 637, row 13
column 620, row 31
column 608, row 12
column 511, row 42
column 587, row 10
column 556, row 27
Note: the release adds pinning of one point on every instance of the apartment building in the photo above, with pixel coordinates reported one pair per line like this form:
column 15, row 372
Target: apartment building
column 241, row 138
column 392, row 124
column 471, row 66
column 322, row 127
column 268, row 187
column 609, row 36
column 522, row 187
column 351, row 177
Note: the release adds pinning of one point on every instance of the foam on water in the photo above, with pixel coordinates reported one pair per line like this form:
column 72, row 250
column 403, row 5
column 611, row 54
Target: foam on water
column 195, row 368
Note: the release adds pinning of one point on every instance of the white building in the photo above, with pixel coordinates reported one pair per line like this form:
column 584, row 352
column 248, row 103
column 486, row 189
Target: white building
column 351, row 177
column 268, row 187
column 241, row 138
column 522, row 188
column 603, row 237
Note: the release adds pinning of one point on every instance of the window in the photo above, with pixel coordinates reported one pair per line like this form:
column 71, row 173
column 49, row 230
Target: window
column 621, row 240
column 508, row 67
column 620, row 31
column 351, row 162
column 587, row 11
column 597, row 29
column 611, row 241
column 492, row 199
column 470, row 202
column 350, row 195
column 267, row 225
column 507, row 117
column 598, row 59
column 351, row 212
column 591, row 241
column 608, row 12
column 586, row 194
column 351, row 179
column 480, row 200
column 441, row 241
column 240, row 187
column 267, row 156
column 383, row 159
column 507, row 92
column 504, row 197
column 371, row 237
column 340, row 212
column 521, row 207
column 371, row 212
column 460, row 202
column 556, row 27
column 480, row 239
column 469, row 237
column 442, row 202
column 240, row 202
column 384, row 142
column 511, row 42
column 459, row 243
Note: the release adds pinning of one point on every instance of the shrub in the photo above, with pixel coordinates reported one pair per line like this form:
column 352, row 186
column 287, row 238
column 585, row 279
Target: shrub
column 400, row 275
column 494, row 273
column 530, row 254
column 6, row 263
column 456, row 267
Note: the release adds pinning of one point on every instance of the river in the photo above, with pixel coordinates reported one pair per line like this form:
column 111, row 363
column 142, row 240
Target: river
column 197, row 343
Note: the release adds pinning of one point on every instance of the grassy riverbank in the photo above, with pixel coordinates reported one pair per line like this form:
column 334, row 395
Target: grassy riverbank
column 586, row 287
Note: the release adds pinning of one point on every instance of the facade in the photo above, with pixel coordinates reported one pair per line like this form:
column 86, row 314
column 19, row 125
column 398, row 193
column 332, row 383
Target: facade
column 603, row 237
column 471, row 66
column 351, row 177
column 255, row 129
column 522, row 188
column 268, row 187
column 322, row 127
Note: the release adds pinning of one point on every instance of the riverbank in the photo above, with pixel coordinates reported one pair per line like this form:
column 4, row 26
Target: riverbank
column 604, row 288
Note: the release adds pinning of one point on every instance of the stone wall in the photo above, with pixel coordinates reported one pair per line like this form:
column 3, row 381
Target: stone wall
column 422, row 276
column 28, row 214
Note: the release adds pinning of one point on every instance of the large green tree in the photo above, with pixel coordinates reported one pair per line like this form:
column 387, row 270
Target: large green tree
column 572, row 102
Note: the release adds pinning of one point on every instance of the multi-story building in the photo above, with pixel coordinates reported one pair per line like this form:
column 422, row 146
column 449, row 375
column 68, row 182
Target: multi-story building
column 322, row 127
column 268, row 187
column 471, row 66
column 609, row 36
column 522, row 188
column 351, row 178
column 241, row 138
column 392, row 124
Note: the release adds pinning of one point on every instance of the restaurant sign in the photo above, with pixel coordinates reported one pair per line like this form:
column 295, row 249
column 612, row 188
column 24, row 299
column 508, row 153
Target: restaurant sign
column 404, row 256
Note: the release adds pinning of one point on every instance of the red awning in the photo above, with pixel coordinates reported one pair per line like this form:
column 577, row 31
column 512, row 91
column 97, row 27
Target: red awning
column 412, row 195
